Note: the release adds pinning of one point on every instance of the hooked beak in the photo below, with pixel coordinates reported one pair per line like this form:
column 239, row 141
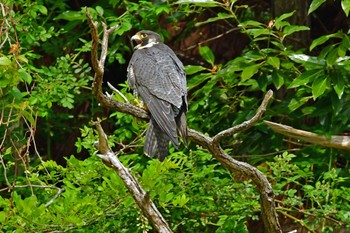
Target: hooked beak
column 137, row 40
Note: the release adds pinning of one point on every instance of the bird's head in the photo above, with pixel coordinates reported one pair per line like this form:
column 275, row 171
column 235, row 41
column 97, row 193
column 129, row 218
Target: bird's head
column 145, row 39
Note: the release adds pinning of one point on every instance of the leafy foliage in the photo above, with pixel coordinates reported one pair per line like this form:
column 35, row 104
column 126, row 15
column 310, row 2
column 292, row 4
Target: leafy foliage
column 45, row 76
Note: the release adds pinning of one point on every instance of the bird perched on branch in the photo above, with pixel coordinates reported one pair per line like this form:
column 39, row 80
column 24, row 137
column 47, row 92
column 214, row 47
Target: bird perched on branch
column 158, row 77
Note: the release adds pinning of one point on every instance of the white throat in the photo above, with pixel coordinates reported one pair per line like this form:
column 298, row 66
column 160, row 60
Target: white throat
column 149, row 45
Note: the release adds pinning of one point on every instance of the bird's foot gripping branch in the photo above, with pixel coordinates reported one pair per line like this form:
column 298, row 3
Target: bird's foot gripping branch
column 268, row 210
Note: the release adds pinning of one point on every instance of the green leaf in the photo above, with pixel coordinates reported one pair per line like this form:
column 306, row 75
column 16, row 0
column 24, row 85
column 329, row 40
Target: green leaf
column 29, row 117
column 277, row 79
column 251, row 23
column 339, row 85
column 197, row 80
column 274, row 61
column 321, row 40
column 202, row 3
column 207, row 54
column 288, row 30
column 319, row 86
column 180, row 200
column 258, row 32
column 25, row 76
column 213, row 19
column 249, row 71
column 314, row 5
column 285, row 16
column 99, row 10
column 309, row 62
column 295, row 103
column 190, row 69
column 279, row 21
column 71, row 16
column 42, row 9
column 4, row 61
column 305, row 78
column 345, row 4
column 16, row 93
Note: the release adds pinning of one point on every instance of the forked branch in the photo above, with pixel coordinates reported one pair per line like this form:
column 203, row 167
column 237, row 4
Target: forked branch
column 268, row 210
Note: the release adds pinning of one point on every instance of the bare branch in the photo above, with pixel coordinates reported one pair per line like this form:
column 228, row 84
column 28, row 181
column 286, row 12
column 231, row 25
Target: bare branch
column 140, row 196
column 98, row 65
column 268, row 210
column 247, row 124
column 335, row 141
column 59, row 190
column 118, row 92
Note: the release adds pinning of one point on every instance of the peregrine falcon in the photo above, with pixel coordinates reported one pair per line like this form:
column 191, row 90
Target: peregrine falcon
column 157, row 75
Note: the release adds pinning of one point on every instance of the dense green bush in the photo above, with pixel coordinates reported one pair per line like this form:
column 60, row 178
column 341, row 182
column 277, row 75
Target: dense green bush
column 45, row 75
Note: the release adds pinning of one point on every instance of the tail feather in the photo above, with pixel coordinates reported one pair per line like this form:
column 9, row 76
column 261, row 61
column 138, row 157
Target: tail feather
column 156, row 141
column 150, row 147
column 182, row 126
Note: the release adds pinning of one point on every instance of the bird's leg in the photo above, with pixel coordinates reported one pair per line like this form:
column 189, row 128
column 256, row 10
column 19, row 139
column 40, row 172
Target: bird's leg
column 137, row 102
column 140, row 104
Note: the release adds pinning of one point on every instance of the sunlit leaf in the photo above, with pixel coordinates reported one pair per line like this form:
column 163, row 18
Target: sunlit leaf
column 274, row 61
column 319, row 86
column 190, row 69
column 279, row 21
column 296, row 103
column 220, row 16
column 305, row 78
column 345, row 4
column 71, row 16
column 288, row 30
column 277, row 79
column 42, row 9
column 339, row 85
column 251, row 23
column 202, row 3
column 25, row 76
column 4, row 61
column 314, row 5
column 322, row 39
column 249, row 71
column 207, row 54
column 99, row 10
column 198, row 79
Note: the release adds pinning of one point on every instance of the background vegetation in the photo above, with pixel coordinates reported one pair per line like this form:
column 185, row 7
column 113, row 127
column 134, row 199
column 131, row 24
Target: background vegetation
column 234, row 51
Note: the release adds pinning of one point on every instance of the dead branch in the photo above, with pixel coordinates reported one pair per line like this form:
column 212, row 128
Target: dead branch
column 336, row 141
column 141, row 197
column 268, row 210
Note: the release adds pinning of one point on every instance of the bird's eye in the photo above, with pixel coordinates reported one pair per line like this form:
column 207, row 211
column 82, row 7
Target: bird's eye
column 143, row 35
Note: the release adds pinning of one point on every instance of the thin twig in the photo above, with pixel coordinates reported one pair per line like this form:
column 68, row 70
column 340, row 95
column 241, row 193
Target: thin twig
column 211, row 39
column 118, row 92
column 59, row 190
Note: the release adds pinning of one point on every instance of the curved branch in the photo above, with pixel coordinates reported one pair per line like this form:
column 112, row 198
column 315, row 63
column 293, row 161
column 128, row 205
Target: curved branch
column 268, row 210
column 140, row 196
column 247, row 124
column 98, row 66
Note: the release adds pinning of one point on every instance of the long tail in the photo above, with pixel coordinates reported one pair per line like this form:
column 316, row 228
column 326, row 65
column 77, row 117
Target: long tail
column 156, row 142
column 181, row 124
